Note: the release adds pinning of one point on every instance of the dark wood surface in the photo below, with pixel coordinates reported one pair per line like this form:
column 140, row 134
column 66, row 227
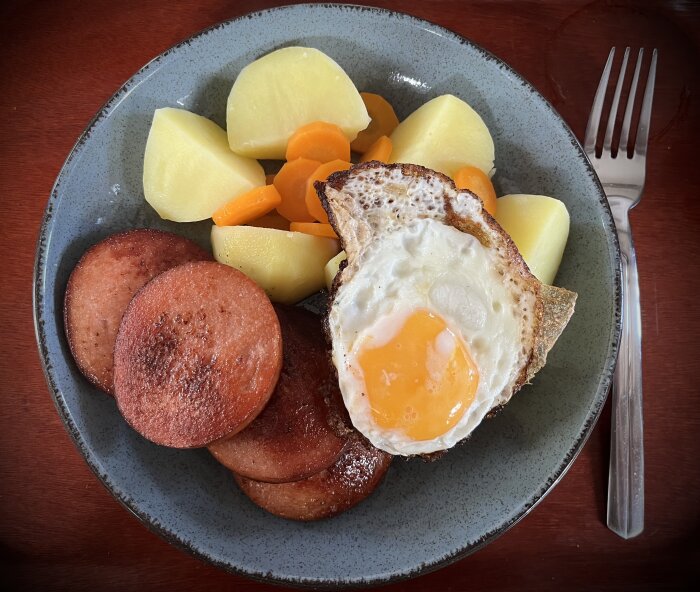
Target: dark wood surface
column 59, row 527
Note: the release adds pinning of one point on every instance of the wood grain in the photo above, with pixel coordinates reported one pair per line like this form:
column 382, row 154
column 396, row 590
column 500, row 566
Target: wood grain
column 61, row 530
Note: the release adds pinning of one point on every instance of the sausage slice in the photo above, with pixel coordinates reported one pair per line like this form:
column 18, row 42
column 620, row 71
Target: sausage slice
column 351, row 479
column 197, row 355
column 102, row 285
column 301, row 431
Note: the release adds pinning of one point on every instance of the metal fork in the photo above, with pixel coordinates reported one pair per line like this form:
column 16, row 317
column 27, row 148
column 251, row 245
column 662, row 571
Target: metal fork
column 622, row 177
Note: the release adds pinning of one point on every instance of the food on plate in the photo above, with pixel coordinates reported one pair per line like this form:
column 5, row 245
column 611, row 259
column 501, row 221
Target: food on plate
column 539, row 227
column 302, row 429
column 248, row 206
column 197, row 356
column 288, row 265
column 343, row 485
column 313, row 205
column 101, row 286
column 313, row 228
column 380, row 150
column 319, row 141
column 332, row 267
column 292, row 181
column 479, row 183
column 271, row 220
column 436, row 319
column 383, row 122
column 278, row 93
column 189, row 170
column 436, row 316
column 444, row 134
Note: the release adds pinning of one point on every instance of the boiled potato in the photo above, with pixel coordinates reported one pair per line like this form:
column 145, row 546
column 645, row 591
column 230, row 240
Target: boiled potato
column 332, row 268
column 445, row 134
column 278, row 93
column 189, row 170
column 539, row 227
column 287, row 265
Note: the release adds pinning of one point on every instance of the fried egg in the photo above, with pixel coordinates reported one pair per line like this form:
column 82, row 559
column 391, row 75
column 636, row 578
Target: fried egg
column 435, row 320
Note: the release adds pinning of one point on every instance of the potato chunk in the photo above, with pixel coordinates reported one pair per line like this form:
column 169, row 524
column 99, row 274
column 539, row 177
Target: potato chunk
column 289, row 266
column 188, row 169
column 277, row 94
column 445, row 134
column 332, row 268
column 539, row 227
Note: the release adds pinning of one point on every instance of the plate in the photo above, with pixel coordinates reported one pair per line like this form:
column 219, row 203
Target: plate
column 424, row 515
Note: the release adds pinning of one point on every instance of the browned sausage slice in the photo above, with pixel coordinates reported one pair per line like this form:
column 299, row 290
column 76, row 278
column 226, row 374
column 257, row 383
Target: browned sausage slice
column 102, row 285
column 300, row 432
column 197, row 355
column 346, row 483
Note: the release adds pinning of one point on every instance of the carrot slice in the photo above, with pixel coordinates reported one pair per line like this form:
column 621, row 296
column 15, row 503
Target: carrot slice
column 248, row 206
column 319, row 141
column 313, row 204
column 380, row 150
column 271, row 220
column 291, row 184
column 383, row 122
column 313, row 228
column 478, row 182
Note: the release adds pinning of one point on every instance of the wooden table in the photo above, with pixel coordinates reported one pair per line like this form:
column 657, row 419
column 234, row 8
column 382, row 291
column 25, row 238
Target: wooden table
column 60, row 529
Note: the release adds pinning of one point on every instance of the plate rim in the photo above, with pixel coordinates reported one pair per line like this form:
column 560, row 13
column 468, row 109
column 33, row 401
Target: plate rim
column 171, row 537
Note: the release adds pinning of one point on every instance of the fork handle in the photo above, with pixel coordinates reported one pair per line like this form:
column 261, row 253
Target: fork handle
column 626, row 477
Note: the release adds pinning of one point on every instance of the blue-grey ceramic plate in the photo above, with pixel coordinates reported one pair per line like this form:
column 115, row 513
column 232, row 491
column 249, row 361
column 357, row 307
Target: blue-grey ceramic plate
column 424, row 515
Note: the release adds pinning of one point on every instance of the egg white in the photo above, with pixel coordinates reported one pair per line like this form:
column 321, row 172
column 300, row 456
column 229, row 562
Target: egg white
column 426, row 264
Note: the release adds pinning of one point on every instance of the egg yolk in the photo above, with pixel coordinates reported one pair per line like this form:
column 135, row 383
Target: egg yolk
column 422, row 380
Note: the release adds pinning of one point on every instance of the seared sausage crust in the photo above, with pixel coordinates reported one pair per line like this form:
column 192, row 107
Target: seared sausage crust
column 197, row 356
column 343, row 485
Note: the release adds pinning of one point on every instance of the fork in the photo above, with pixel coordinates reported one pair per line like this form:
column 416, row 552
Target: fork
column 622, row 177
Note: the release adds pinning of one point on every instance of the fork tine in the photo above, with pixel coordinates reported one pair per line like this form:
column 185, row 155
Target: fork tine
column 640, row 146
column 597, row 109
column 624, row 134
column 607, row 142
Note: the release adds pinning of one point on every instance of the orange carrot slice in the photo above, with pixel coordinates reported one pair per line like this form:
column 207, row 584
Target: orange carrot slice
column 478, row 182
column 383, row 122
column 271, row 220
column 313, row 204
column 291, row 184
column 248, row 206
column 319, row 141
column 313, row 228
column 380, row 150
